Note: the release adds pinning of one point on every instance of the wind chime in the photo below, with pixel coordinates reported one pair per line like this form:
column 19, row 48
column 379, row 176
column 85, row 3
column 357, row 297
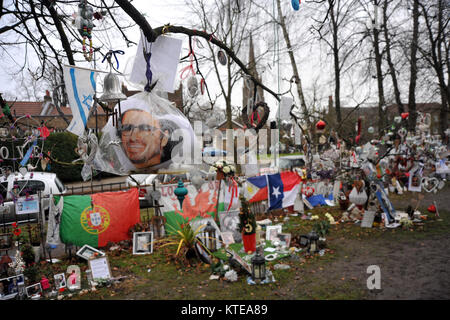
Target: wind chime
column 84, row 24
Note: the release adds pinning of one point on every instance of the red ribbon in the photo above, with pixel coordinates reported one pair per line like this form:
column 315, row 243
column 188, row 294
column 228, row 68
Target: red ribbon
column 234, row 192
column 251, row 120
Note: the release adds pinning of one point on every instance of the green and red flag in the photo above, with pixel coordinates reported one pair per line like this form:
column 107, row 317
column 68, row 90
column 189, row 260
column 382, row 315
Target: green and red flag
column 99, row 218
column 198, row 203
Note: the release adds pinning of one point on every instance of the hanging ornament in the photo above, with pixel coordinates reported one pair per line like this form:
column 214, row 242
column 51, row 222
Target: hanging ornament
column 295, row 4
column 222, row 57
column 192, row 85
column 405, row 115
column 358, row 130
column 370, row 130
column 397, row 119
column 320, row 126
column 84, row 24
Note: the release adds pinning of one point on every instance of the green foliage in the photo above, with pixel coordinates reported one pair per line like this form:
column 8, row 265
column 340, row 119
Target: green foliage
column 31, row 272
column 322, row 227
column 62, row 147
column 27, row 254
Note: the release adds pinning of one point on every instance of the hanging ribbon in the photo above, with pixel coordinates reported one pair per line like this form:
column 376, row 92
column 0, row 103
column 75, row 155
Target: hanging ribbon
column 112, row 53
column 253, row 114
column 233, row 188
column 148, row 72
column 190, row 67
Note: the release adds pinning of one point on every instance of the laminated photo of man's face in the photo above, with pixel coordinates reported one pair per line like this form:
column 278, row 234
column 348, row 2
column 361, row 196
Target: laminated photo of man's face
column 142, row 137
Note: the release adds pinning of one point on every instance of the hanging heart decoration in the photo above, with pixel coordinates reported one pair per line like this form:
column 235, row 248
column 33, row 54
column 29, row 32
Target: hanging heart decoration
column 429, row 184
column 260, row 107
column 405, row 115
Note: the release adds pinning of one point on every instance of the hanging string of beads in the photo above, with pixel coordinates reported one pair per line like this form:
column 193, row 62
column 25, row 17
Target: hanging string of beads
column 84, row 23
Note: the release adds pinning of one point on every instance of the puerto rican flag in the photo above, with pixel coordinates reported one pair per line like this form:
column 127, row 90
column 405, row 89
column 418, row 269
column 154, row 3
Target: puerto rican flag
column 282, row 189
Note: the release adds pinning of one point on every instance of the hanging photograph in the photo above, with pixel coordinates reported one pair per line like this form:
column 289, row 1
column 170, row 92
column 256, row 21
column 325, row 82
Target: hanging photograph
column 24, row 206
column 222, row 57
column 150, row 134
column 142, row 242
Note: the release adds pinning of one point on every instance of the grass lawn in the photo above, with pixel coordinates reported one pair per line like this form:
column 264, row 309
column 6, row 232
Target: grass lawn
column 338, row 274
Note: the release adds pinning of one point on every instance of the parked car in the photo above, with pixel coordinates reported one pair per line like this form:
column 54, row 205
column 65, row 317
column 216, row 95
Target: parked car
column 295, row 163
column 30, row 183
column 212, row 152
column 292, row 162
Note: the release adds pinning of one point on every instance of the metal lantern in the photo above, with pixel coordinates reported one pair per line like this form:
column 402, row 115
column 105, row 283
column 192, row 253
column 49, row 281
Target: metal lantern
column 112, row 91
column 258, row 267
column 209, row 237
column 180, row 192
column 313, row 239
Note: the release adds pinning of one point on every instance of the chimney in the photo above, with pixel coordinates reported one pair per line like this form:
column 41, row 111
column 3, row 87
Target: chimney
column 330, row 104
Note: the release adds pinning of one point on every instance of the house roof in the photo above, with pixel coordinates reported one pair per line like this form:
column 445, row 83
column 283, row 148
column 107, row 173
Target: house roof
column 21, row 108
column 235, row 123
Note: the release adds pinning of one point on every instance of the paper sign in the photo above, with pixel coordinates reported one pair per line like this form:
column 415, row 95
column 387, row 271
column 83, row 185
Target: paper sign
column 100, row 268
column 24, row 206
column 165, row 54
column 285, row 107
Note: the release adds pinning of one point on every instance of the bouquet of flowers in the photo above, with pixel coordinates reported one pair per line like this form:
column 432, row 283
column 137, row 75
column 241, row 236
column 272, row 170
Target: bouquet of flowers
column 18, row 264
column 223, row 167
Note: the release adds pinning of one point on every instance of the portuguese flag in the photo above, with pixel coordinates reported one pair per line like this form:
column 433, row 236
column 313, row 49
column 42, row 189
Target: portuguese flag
column 99, row 218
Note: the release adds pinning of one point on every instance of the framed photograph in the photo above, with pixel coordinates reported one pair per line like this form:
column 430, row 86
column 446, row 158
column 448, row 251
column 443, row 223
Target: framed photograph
column 273, row 231
column 24, row 206
column 9, row 287
column 33, row 290
column 60, row 280
column 100, row 268
column 87, row 252
column 143, row 242
column 285, row 239
column 242, row 262
column 415, row 181
column 5, row 240
column 227, row 238
column 229, row 222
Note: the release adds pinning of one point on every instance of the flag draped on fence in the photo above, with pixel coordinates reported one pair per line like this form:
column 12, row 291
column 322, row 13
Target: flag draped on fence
column 282, row 189
column 99, row 218
column 198, row 203
column 80, row 88
column 256, row 189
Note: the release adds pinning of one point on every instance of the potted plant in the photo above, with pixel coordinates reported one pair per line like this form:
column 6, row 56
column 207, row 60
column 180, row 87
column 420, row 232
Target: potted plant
column 247, row 226
column 186, row 239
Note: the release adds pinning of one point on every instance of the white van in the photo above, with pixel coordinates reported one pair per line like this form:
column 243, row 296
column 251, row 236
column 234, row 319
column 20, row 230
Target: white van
column 32, row 182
